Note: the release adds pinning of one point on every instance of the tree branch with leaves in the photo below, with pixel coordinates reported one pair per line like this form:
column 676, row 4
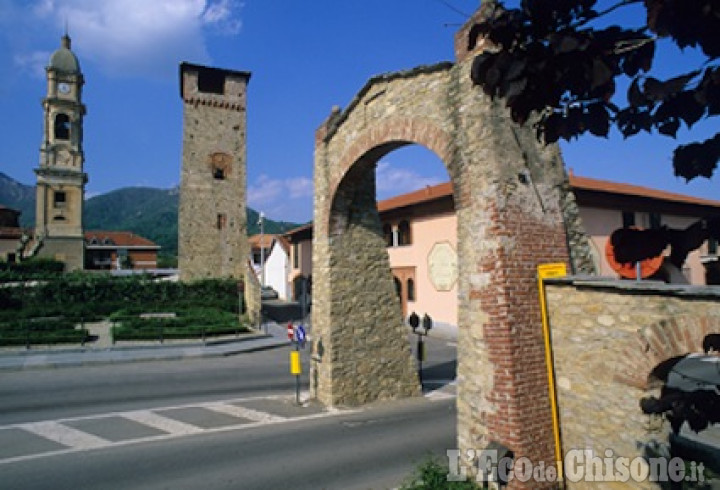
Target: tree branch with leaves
column 544, row 57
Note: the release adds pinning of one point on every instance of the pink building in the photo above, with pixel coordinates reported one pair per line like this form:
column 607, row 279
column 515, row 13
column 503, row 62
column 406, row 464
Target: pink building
column 420, row 230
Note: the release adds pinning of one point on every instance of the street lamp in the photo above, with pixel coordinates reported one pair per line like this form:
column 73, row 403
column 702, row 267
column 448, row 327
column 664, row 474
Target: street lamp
column 414, row 321
column 261, row 222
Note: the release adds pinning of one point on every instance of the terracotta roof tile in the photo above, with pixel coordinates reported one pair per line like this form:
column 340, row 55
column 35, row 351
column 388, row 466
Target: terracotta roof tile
column 118, row 238
column 304, row 227
column 266, row 240
column 589, row 184
column 429, row 193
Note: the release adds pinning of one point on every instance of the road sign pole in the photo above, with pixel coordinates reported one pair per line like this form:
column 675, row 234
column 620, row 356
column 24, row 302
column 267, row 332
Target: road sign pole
column 295, row 366
column 420, row 355
column 297, row 376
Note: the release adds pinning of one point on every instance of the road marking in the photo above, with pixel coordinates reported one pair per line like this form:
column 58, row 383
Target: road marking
column 242, row 412
column 447, row 391
column 165, row 424
column 67, row 436
column 76, row 440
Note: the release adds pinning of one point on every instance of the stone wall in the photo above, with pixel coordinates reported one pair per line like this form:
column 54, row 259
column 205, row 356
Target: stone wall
column 607, row 337
column 253, row 296
column 509, row 197
column 212, row 228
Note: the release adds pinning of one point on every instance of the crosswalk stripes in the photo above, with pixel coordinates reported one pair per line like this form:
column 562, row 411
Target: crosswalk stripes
column 243, row 412
column 76, row 434
column 67, row 436
column 121, row 428
column 165, row 424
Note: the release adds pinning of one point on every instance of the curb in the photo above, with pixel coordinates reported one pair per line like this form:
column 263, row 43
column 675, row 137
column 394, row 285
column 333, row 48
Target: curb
column 39, row 360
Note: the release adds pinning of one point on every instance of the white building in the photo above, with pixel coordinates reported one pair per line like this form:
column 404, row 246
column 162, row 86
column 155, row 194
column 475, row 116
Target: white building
column 272, row 251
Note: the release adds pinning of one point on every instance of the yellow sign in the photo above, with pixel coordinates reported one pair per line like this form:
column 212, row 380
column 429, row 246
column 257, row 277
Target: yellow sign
column 545, row 271
column 295, row 367
column 556, row 269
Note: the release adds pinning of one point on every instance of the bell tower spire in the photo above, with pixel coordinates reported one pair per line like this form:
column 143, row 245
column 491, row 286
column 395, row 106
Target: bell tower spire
column 60, row 176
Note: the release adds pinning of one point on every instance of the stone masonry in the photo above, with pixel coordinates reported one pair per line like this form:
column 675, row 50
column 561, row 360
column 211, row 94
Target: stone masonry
column 212, row 228
column 608, row 337
column 508, row 191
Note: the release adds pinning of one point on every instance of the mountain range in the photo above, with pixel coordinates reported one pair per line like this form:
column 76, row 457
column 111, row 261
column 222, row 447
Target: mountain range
column 146, row 211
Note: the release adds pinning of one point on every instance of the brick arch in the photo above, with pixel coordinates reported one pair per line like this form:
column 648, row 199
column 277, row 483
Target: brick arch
column 660, row 341
column 392, row 134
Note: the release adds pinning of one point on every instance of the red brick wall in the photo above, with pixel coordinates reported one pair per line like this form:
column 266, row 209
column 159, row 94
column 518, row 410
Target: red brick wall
column 513, row 332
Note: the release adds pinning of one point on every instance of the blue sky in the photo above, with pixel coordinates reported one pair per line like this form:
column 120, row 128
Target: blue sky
column 304, row 57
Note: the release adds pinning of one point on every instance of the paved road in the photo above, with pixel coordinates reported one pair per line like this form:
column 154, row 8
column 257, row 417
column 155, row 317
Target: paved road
column 220, row 423
column 375, row 447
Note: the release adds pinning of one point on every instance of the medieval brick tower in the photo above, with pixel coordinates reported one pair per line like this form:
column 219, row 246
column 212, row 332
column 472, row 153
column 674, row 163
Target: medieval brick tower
column 60, row 178
column 212, row 228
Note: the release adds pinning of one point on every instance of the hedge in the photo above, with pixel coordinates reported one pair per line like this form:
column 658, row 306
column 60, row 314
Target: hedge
column 41, row 331
column 192, row 323
column 92, row 296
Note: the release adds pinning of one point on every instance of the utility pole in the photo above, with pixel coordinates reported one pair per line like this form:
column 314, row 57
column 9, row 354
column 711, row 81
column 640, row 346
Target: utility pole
column 261, row 222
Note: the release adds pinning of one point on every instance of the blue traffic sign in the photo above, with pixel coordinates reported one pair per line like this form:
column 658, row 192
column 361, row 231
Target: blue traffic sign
column 300, row 335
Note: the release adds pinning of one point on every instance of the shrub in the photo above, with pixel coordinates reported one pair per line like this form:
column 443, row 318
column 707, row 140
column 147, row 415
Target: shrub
column 432, row 475
column 190, row 323
column 35, row 268
column 41, row 331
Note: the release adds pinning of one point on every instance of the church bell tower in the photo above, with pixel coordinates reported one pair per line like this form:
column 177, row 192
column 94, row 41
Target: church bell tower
column 60, row 176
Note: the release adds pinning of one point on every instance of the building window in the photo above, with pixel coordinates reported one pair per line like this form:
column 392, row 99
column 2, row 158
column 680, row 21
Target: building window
column 404, row 237
column 655, row 221
column 388, row 234
column 59, row 199
column 712, row 246
column 410, row 290
column 220, row 164
column 296, row 255
column 62, row 127
column 398, row 286
column 211, row 82
column 221, row 221
column 628, row 219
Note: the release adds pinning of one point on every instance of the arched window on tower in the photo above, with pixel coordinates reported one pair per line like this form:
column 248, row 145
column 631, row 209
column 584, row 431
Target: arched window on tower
column 410, row 289
column 62, row 127
column 404, row 237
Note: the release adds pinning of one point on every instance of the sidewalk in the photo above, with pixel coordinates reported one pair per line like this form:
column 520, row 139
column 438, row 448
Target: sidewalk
column 276, row 336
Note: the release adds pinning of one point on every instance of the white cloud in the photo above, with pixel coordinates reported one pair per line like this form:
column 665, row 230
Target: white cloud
column 221, row 14
column 291, row 199
column 139, row 37
column 287, row 199
column 393, row 180
column 33, row 63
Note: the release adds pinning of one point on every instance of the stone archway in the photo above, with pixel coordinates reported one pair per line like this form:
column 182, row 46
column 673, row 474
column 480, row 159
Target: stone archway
column 509, row 195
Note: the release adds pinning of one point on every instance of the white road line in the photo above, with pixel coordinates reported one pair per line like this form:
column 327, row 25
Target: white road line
column 67, row 436
column 165, row 424
column 440, row 395
column 242, row 412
